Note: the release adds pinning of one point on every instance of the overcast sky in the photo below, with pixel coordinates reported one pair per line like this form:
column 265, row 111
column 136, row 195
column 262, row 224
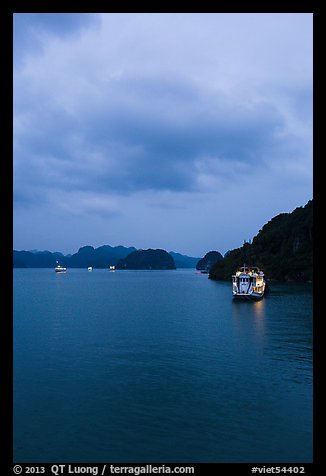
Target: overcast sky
column 186, row 132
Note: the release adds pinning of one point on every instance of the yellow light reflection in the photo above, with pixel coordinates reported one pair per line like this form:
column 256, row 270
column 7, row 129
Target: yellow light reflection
column 249, row 313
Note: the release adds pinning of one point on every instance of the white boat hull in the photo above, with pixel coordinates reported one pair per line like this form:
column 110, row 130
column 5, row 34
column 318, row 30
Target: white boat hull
column 60, row 269
column 248, row 296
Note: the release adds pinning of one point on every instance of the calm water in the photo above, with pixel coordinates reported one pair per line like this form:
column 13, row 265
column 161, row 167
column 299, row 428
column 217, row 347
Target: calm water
column 159, row 366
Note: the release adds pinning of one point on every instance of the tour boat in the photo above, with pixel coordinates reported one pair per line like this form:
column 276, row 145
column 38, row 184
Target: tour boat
column 248, row 283
column 60, row 269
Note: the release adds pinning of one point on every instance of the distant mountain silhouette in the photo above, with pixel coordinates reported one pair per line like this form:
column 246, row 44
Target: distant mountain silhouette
column 147, row 259
column 283, row 249
column 101, row 257
column 40, row 259
column 209, row 260
column 184, row 261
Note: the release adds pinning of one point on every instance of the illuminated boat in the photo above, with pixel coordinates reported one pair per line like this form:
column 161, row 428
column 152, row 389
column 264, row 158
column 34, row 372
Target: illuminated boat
column 248, row 283
column 60, row 269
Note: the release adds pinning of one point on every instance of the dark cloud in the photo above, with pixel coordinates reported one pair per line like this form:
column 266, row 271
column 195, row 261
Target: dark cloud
column 57, row 23
column 113, row 123
column 30, row 28
column 145, row 146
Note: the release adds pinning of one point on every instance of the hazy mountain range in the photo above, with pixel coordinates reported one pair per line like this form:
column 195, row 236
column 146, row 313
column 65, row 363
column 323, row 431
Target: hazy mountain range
column 101, row 257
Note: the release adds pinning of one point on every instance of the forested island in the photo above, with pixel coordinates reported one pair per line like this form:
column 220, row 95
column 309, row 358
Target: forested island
column 147, row 259
column 210, row 258
column 283, row 249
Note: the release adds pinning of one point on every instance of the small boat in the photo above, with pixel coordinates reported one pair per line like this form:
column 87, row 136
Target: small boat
column 60, row 269
column 112, row 268
column 90, row 268
column 248, row 283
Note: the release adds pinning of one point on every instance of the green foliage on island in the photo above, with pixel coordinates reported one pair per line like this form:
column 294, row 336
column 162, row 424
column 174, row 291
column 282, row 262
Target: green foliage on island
column 283, row 249
column 147, row 259
column 210, row 258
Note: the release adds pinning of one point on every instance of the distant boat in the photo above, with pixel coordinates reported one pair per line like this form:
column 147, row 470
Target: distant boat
column 112, row 268
column 248, row 283
column 90, row 268
column 60, row 269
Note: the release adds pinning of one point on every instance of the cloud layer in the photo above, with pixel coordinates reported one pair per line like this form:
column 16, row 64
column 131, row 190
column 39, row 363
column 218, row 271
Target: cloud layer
column 156, row 117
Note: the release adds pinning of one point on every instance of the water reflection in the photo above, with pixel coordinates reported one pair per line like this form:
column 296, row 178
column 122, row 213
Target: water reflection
column 254, row 311
column 259, row 309
column 256, row 308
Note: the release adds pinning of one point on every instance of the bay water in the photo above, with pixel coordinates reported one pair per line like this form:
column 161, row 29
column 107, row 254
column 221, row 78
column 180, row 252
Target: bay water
column 159, row 366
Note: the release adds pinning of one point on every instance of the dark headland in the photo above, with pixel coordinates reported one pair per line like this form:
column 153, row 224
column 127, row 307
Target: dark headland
column 283, row 249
